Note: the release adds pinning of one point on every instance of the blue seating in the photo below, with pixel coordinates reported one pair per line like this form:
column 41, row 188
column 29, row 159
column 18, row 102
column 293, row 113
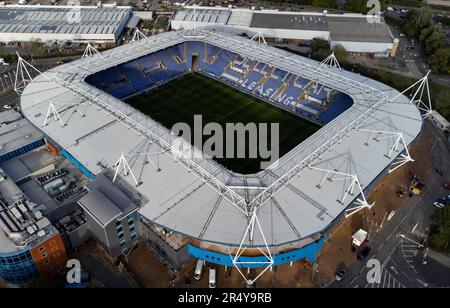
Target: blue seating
column 279, row 73
column 271, row 86
column 300, row 81
column 148, row 71
column 251, row 80
column 320, row 92
column 198, row 49
column 122, row 91
column 211, row 51
column 341, row 102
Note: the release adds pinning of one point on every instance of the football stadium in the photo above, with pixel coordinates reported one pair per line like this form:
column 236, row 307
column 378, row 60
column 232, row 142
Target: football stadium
column 339, row 133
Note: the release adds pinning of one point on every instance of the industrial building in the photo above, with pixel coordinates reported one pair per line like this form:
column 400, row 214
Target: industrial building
column 357, row 33
column 197, row 207
column 102, row 25
column 30, row 246
column 111, row 215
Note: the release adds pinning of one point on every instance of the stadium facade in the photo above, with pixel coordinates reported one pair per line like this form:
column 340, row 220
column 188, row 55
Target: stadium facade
column 355, row 32
column 22, row 23
column 194, row 207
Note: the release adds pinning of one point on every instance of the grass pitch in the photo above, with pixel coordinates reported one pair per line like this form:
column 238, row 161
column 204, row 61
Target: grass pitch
column 195, row 94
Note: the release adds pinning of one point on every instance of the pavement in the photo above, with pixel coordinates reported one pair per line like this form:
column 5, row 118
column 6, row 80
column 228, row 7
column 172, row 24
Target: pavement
column 397, row 248
column 439, row 257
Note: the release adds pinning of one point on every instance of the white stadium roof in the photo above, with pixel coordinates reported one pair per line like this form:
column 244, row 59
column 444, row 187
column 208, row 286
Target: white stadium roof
column 199, row 198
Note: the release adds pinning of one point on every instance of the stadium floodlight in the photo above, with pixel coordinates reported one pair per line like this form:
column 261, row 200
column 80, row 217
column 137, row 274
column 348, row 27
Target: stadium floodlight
column 138, row 36
column 360, row 202
column 259, row 37
column 23, row 76
column 418, row 96
column 330, row 61
column 267, row 257
column 91, row 52
column 122, row 162
column 53, row 112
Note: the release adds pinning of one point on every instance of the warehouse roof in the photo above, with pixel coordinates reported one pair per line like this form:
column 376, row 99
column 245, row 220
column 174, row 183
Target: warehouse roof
column 359, row 29
column 203, row 15
column 50, row 19
column 347, row 27
column 289, row 21
column 17, row 134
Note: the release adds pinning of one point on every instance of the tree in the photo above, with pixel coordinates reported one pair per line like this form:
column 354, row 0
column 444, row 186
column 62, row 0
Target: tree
column 435, row 41
column 440, row 237
column 320, row 49
column 425, row 34
column 340, row 53
column 416, row 20
column 440, row 61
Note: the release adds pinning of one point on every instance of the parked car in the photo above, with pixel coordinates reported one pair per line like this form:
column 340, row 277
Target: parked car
column 7, row 107
column 443, row 201
column 364, row 253
column 199, row 269
column 446, row 185
column 340, row 275
column 438, row 205
column 212, row 277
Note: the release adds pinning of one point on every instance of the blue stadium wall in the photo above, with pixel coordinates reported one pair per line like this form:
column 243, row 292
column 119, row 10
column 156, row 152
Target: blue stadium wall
column 77, row 164
column 308, row 252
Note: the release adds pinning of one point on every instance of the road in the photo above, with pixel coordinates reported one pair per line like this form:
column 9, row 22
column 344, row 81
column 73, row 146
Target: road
column 396, row 248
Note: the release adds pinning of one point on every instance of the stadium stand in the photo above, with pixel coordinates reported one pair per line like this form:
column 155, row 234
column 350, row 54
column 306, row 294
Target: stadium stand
column 294, row 93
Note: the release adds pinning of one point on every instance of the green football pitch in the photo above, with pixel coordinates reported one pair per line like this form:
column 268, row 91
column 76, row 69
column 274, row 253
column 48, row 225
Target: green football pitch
column 195, row 94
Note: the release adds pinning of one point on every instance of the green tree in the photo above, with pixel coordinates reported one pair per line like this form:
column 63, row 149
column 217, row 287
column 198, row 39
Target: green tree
column 440, row 238
column 340, row 53
column 425, row 33
column 435, row 41
column 320, row 49
column 440, row 61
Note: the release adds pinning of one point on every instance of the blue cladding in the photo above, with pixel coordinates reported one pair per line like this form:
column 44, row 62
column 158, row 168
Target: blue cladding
column 313, row 101
column 18, row 268
column 22, row 150
column 309, row 252
column 77, row 164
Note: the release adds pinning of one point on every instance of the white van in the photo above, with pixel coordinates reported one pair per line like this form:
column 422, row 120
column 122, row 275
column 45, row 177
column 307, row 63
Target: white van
column 212, row 278
column 199, row 269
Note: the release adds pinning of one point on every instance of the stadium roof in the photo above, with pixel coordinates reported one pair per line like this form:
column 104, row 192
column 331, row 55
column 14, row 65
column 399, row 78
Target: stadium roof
column 182, row 201
column 44, row 21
